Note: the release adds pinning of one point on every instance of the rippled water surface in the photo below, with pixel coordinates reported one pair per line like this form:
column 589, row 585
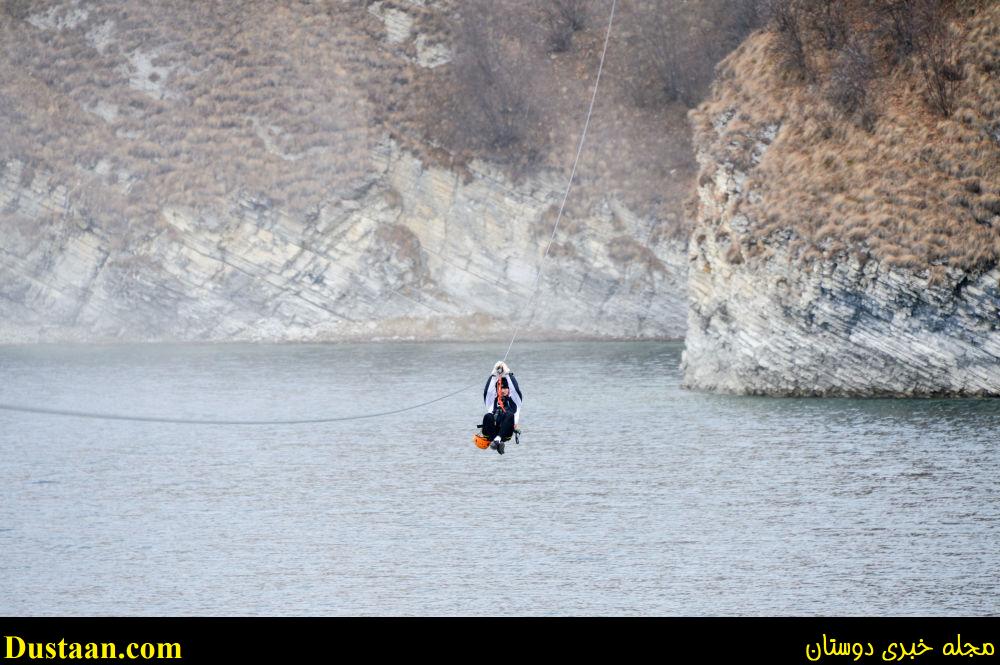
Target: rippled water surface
column 627, row 494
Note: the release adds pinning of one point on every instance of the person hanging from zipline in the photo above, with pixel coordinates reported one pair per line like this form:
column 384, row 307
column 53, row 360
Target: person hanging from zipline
column 502, row 399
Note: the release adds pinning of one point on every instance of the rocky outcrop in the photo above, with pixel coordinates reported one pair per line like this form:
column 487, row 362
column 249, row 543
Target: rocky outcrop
column 414, row 252
column 769, row 324
column 409, row 42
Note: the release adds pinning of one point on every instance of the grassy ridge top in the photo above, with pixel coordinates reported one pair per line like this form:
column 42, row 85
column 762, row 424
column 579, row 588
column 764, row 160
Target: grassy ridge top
column 894, row 179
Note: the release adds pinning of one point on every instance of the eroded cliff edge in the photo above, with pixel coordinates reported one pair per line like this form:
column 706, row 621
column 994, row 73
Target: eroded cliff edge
column 831, row 258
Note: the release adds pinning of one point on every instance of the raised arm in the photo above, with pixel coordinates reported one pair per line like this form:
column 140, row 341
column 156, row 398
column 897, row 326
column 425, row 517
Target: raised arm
column 490, row 393
column 517, row 397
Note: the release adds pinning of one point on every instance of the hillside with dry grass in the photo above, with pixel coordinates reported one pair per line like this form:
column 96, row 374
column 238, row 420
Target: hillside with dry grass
column 138, row 106
column 886, row 139
column 517, row 91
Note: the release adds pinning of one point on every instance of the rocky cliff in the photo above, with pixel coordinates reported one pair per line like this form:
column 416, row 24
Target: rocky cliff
column 414, row 252
column 203, row 171
column 820, row 263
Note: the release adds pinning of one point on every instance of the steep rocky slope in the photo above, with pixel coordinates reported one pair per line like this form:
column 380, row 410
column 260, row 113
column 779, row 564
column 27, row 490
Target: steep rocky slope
column 830, row 258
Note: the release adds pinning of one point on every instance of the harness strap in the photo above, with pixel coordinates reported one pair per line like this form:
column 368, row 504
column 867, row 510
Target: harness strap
column 500, row 394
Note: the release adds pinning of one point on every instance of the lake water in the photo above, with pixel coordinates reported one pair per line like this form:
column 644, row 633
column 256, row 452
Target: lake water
column 626, row 496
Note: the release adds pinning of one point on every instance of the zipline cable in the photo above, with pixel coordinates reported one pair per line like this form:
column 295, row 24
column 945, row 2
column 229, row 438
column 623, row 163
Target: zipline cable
column 200, row 421
column 569, row 185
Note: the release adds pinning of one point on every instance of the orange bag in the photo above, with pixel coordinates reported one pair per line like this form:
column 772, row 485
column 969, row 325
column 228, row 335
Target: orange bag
column 481, row 441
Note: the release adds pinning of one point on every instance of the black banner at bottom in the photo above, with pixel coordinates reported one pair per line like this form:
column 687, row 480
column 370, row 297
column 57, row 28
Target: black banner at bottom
column 773, row 640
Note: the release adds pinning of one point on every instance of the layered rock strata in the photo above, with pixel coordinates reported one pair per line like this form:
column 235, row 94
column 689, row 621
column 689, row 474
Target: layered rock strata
column 769, row 325
column 414, row 252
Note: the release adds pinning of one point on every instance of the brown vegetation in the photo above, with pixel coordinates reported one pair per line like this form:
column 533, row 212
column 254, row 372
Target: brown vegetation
column 187, row 104
column 493, row 106
column 196, row 105
column 869, row 160
column 564, row 18
column 674, row 47
column 850, row 42
column 638, row 148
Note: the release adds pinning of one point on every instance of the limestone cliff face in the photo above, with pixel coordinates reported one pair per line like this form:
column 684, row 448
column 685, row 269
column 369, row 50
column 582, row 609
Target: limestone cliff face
column 415, row 252
column 766, row 324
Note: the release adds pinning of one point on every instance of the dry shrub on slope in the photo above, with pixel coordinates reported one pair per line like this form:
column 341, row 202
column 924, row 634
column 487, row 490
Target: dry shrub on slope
column 906, row 184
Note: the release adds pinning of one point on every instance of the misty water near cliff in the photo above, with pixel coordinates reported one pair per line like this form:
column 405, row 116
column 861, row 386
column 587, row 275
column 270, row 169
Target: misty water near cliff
column 627, row 495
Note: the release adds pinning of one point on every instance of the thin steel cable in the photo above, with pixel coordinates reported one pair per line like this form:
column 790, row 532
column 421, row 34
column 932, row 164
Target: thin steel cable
column 200, row 421
column 569, row 185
